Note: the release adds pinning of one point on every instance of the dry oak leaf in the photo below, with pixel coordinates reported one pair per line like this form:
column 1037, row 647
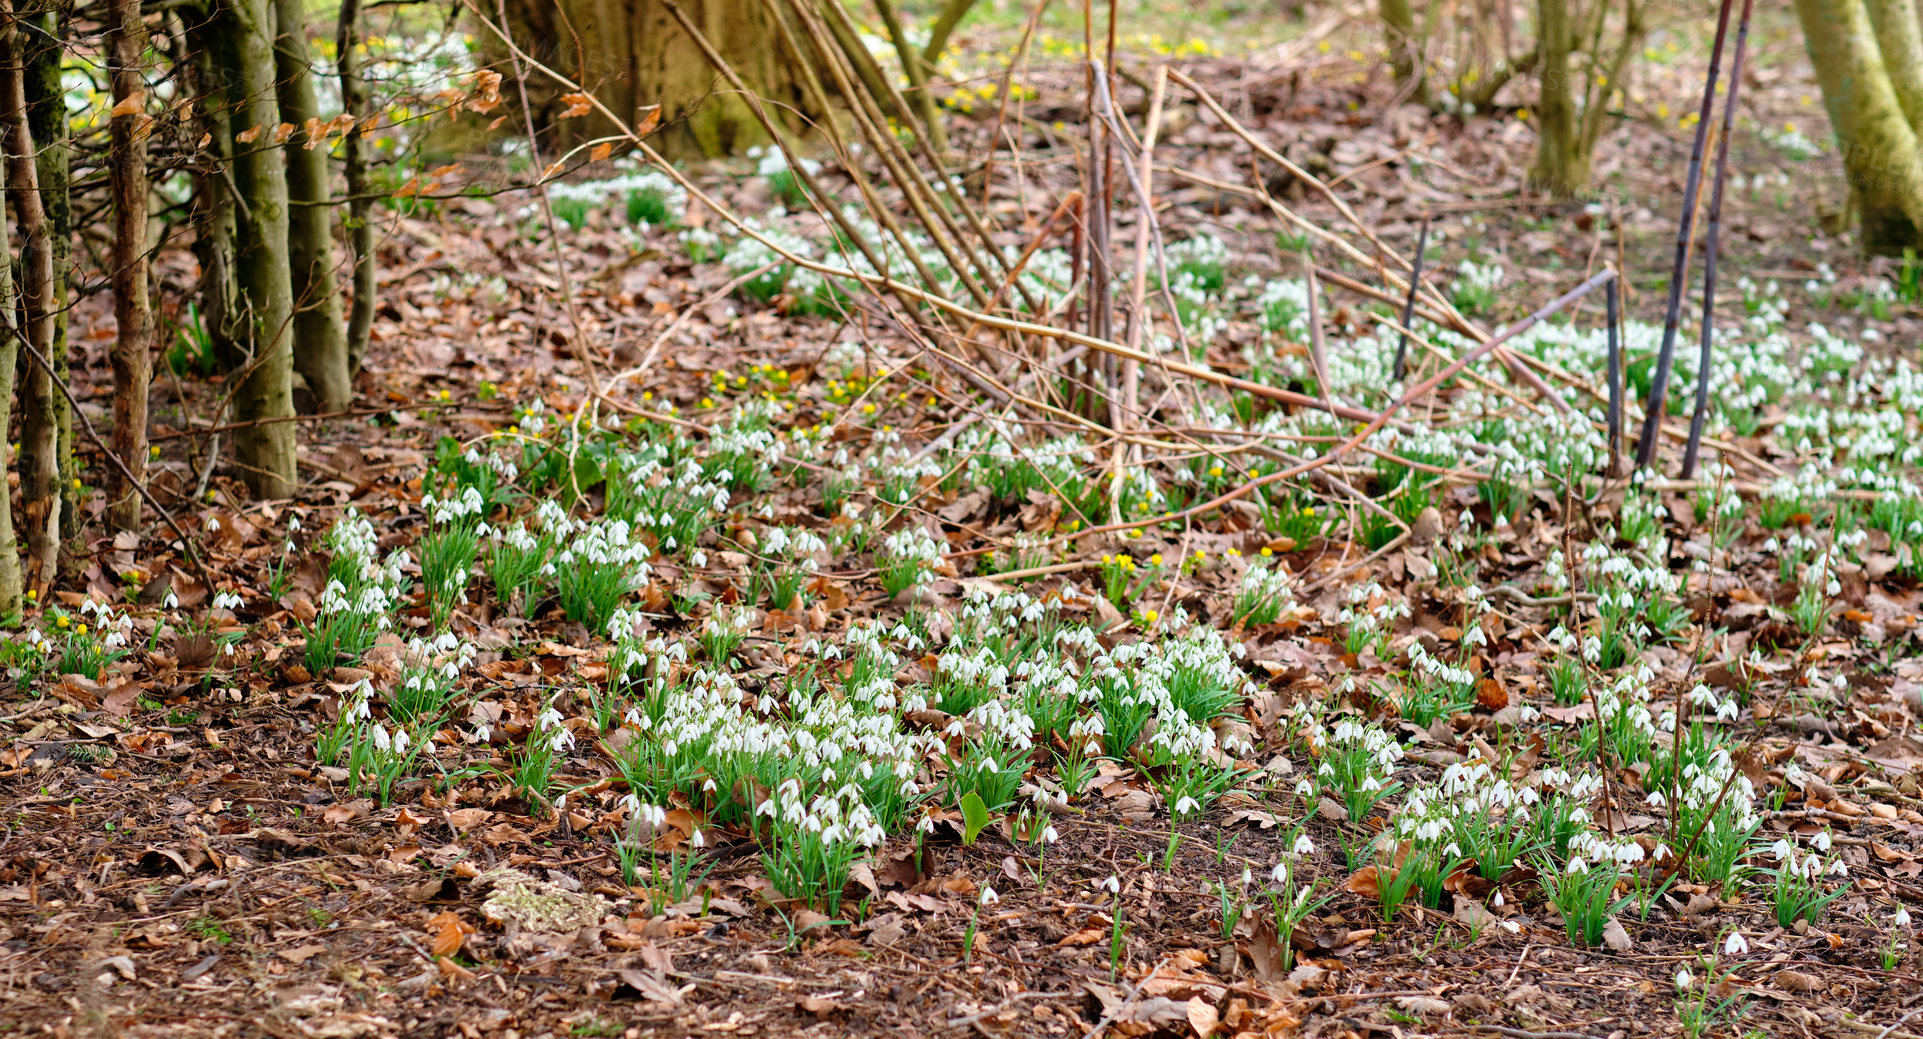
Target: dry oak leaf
column 129, row 105
column 577, row 105
column 449, row 933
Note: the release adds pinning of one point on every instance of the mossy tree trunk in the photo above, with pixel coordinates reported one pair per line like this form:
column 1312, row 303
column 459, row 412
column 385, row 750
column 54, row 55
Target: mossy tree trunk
column 264, row 450
column 1571, row 110
column 320, row 335
column 10, row 578
column 132, row 350
column 40, row 497
column 214, row 213
column 44, row 42
column 1562, row 164
column 10, row 582
column 636, row 56
column 1878, row 144
column 1899, row 39
column 1405, row 49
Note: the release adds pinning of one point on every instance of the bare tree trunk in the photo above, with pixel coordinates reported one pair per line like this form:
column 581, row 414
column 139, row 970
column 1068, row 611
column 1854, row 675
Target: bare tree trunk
column 1562, row 163
column 214, row 211
column 40, row 428
column 633, row 54
column 1405, row 49
column 360, row 209
column 10, row 583
column 265, row 451
column 132, row 350
column 47, row 122
column 320, row 336
column 1900, row 40
column 1880, row 153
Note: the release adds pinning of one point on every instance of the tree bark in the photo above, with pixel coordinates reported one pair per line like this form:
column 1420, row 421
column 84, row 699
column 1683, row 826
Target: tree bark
column 265, row 451
column 320, row 336
column 1562, row 161
column 47, row 122
column 360, row 209
column 40, row 497
column 1900, row 41
column 1405, row 49
column 10, row 583
column 214, row 213
column 127, row 41
column 638, row 56
column 1879, row 149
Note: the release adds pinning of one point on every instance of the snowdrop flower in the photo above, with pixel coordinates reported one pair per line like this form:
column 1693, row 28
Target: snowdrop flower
column 1901, row 919
column 1822, row 842
column 1186, row 805
column 1303, row 845
column 989, row 897
column 1113, row 885
column 1683, row 978
column 1735, row 946
column 1280, row 874
column 1049, row 835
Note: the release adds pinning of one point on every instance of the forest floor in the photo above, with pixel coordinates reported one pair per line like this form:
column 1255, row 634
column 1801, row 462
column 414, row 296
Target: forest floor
column 177, row 861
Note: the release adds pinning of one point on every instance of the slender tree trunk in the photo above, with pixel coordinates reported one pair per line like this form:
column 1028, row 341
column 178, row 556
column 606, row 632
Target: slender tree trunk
column 10, row 583
column 360, row 210
column 320, row 337
column 1900, row 40
column 1405, row 49
column 265, row 451
column 1880, row 153
column 40, row 428
column 47, row 122
column 214, row 214
column 1562, row 160
column 132, row 350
